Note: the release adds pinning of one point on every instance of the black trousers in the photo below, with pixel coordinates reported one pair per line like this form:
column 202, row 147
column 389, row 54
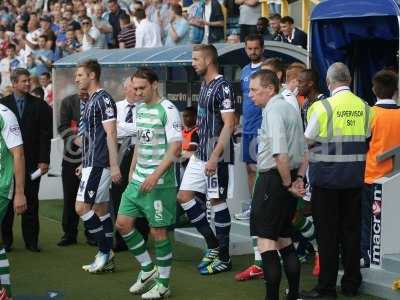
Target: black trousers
column 29, row 219
column 141, row 224
column 245, row 30
column 70, row 218
column 337, row 218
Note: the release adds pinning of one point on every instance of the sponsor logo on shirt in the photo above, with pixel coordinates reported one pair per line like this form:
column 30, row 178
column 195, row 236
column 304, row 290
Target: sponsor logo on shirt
column 177, row 126
column 14, row 129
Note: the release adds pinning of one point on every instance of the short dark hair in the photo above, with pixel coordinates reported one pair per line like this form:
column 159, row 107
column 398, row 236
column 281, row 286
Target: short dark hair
column 86, row 18
column 47, row 74
column 18, row 72
column 112, row 1
column 287, row 19
column 254, row 37
column 11, row 46
column 125, row 19
column 44, row 37
column 208, row 50
column 91, row 65
column 267, row 77
column 275, row 17
column 311, row 75
column 191, row 109
column 264, row 20
column 177, row 9
column 147, row 74
column 140, row 14
column 385, row 84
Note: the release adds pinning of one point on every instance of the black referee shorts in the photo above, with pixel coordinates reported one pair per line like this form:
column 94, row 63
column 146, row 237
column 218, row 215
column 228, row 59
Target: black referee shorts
column 272, row 208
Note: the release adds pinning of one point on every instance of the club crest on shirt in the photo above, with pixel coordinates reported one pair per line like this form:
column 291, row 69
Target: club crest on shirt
column 91, row 194
column 227, row 103
column 109, row 111
column 14, row 129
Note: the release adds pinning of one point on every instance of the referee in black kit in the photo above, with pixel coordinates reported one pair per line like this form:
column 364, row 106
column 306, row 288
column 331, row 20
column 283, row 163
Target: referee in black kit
column 281, row 163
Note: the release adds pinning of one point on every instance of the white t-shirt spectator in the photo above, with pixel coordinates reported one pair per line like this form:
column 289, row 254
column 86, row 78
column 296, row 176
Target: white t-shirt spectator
column 148, row 35
column 96, row 35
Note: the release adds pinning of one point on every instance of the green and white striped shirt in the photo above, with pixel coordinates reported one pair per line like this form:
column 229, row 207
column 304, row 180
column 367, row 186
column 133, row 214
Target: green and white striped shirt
column 157, row 125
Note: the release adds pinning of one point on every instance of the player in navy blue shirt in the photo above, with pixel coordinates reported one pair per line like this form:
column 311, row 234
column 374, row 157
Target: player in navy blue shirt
column 207, row 170
column 252, row 116
column 99, row 164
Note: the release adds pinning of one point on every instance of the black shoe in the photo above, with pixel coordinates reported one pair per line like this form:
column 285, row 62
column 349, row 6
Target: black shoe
column 349, row 293
column 318, row 294
column 66, row 242
column 33, row 248
column 120, row 248
column 91, row 242
column 8, row 248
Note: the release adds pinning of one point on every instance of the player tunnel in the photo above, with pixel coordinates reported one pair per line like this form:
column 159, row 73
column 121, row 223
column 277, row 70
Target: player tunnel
column 363, row 34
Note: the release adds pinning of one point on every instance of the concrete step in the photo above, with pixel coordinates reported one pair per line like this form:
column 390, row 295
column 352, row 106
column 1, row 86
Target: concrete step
column 377, row 282
column 391, row 263
column 239, row 244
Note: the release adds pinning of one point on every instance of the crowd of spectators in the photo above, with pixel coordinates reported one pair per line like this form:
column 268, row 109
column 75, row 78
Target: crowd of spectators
column 35, row 33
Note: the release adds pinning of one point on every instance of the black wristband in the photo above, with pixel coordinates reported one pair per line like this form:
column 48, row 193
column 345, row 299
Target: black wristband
column 299, row 176
column 288, row 186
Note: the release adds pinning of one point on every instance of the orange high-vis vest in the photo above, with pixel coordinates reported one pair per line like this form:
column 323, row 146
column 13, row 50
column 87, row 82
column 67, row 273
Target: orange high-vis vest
column 385, row 131
column 187, row 137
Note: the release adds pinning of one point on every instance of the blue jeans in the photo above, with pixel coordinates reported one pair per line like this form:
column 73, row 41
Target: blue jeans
column 366, row 214
column 274, row 8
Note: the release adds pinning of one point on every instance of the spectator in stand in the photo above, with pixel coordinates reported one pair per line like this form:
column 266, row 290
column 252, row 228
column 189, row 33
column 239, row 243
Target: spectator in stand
column 195, row 18
column 4, row 42
column 82, row 12
column 250, row 11
column 275, row 24
column 62, row 32
column 92, row 38
column 263, row 29
column 158, row 13
column 134, row 6
column 100, row 21
column 177, row 32
column 275, row 6
column 70, row 21
column 292, row 34
column 71, row 44
column 147, row 33
column 43, row 56
column 45, row 82
column 45, row 29
column 127, row 36
column 213, row 22
column 57, row 16
column 31, row 65
column 113, row 19
column 33, row 34
column 7, row 64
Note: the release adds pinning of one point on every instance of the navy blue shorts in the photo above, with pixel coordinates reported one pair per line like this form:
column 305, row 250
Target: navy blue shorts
column 249, row 148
